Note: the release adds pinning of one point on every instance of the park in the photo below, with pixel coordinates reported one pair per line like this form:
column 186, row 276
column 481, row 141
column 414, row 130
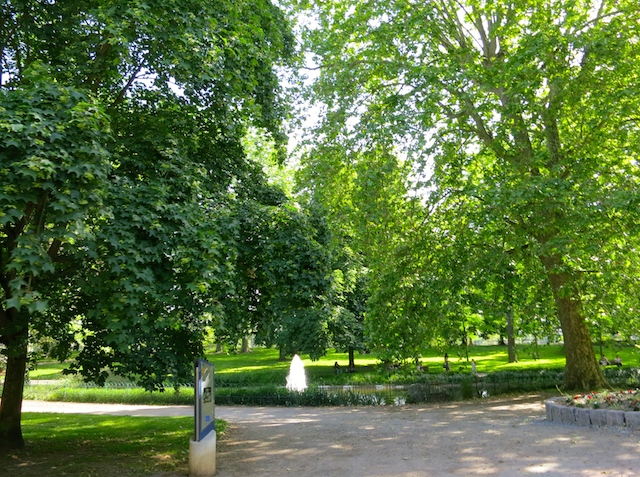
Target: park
column 427, row 207
column 126, row 431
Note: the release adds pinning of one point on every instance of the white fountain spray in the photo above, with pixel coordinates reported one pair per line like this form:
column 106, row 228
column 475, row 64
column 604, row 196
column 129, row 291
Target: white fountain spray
column 297, row 380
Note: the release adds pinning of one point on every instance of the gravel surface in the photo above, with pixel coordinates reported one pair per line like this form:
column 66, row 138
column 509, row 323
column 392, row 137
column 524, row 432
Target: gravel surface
column 496, row 437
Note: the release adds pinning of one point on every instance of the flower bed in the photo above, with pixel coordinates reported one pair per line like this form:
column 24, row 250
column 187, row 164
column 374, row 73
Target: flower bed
column 597, row 409
column 616, row 400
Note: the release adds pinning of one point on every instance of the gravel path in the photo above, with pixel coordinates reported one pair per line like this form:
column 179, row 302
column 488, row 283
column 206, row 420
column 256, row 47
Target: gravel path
column 496, row 437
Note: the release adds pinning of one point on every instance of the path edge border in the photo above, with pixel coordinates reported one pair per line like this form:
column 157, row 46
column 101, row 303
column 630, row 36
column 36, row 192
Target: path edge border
column 580, row 416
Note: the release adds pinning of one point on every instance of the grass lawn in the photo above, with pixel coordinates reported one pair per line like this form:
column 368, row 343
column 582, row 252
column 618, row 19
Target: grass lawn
column 261, row 366
column 90, row 445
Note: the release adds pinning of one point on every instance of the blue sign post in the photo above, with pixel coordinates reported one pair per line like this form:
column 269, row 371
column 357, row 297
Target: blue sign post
column 204, row 393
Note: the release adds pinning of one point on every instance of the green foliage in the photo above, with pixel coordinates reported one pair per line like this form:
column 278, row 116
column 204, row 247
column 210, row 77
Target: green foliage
column 117, row 248
column 262, row 366
column 519, row 135
column 518, row 381
column 466, row 388
column 53, row 165
column 258, row 379
column 363, row 194
column 281, row 280
column 157, row 256
column 252, row 378
column 623, row 378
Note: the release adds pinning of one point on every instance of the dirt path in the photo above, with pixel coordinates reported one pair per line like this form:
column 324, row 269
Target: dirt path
column 496, row 437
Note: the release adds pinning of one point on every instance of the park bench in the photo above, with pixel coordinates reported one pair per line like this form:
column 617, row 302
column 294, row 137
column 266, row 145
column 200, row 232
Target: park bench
column 612, row 363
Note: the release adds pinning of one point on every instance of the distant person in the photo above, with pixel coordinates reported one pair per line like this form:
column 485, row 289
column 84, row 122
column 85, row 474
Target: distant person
column 446, row 362
column 604, row 361
column 473, row 366
column 617, row 361
column 337, row 368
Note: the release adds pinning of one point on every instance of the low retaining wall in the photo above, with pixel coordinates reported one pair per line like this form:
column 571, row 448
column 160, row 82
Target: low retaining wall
column 581, row 416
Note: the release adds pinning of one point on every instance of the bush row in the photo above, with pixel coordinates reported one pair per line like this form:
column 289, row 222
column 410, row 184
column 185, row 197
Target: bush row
column 313, row 397
column 110, row 395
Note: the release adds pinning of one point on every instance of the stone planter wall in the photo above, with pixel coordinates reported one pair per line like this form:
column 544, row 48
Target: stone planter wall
column 559, row 412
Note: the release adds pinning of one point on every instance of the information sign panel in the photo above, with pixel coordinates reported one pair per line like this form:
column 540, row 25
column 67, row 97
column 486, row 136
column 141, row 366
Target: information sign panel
column 204, row 394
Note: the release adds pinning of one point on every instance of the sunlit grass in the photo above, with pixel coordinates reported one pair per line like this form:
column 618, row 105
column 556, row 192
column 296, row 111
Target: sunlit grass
column 262, row 366
column 47, row 370
column 489, row 358
column 90, row 445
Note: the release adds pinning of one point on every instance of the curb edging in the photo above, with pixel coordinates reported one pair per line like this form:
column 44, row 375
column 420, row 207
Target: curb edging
column 581, row 416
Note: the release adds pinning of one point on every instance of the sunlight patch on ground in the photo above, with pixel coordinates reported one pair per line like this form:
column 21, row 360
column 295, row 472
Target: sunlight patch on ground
column 284, row 422
column 269, row 366
column 541, row 468
column 458, row 433
column 163, row 457
column 478, row 465
column 469, row 412
column 440, row 424
column 520, row 407
column 492, row 431
column 341, row 447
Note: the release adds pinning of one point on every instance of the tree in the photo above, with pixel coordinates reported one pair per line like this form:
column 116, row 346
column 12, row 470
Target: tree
column 120, row 162
column 53, row 167
column 282, row 277
column 160, row 262
column 349, row 296
column 364, row 195
column 528, row 106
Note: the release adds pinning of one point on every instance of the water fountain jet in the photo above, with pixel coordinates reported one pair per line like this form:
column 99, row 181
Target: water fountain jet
column 296, row 380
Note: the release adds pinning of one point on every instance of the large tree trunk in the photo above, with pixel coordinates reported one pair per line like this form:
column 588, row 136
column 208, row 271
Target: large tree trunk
column 352, row 361
column 246, row 345
column 511, row 336
column 13, row 392
column 582, row 371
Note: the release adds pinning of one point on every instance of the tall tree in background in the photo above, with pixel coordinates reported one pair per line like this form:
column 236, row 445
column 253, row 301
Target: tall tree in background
column 349, row 296
column 529, row 108
column 121, row 126
column 364, row 194
column 282, row 277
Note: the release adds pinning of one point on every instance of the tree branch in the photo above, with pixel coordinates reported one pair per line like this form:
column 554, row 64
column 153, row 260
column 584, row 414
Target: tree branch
column 550, row 122
column 54, row 248
column 126, row 87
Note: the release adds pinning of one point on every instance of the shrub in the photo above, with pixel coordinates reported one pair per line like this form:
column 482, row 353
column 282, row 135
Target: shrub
column 280, row 396
column 466, row 387
column 623, row 377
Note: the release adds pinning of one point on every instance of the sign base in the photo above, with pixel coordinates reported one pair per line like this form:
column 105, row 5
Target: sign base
column 202, row 456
